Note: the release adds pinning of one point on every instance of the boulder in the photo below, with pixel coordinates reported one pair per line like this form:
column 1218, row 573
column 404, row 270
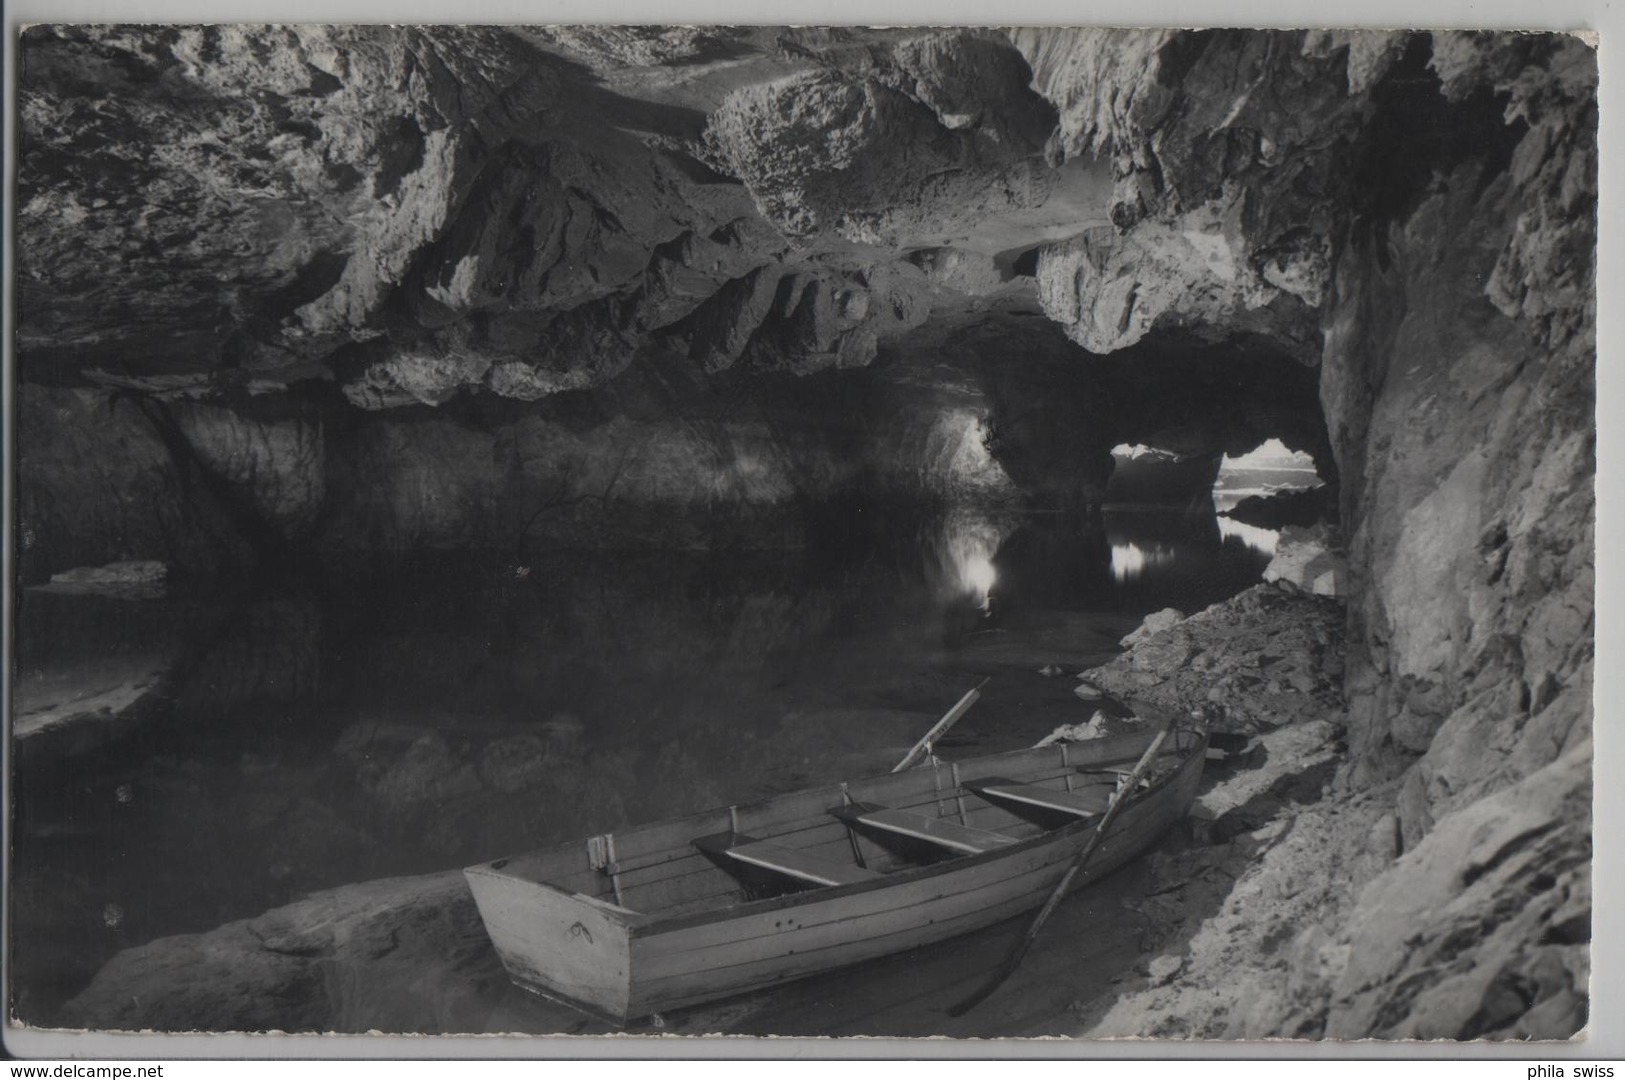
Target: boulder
column 1308, row 559
column 406, row 955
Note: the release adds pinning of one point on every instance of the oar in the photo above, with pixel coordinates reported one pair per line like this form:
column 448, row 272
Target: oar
column 1119, row 797
column 940, row 728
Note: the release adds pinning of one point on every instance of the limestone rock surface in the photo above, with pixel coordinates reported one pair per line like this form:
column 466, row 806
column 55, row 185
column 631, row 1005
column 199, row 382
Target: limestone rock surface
column 396, row 955
column 1307, row 559
column 1488, row 915
column 98, row 482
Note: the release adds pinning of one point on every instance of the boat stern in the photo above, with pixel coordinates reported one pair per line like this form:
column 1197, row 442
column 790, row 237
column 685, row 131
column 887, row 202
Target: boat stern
column 565, row 946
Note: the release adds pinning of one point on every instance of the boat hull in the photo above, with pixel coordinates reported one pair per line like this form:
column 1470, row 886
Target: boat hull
column 566, row 947
column 635, row 965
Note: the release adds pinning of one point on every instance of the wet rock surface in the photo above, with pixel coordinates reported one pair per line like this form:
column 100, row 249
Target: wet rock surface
column 274, row 465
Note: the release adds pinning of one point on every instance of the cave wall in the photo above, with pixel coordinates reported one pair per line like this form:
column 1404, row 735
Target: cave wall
column 1417, row 212
column 101, row 478
column 1474, row 555
column 219, row 488
column 1424, row 205
column 1476, row 507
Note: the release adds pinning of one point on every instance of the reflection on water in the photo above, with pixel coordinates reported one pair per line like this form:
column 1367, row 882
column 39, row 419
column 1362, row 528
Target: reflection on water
column 339, row 731
column 969, row 542
column 977, row 578
column 1131, row 562
column 1170, row 559
column 1260, row 539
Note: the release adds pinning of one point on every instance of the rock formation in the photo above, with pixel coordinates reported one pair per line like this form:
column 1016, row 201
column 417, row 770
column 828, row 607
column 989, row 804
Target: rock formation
column 352, row 292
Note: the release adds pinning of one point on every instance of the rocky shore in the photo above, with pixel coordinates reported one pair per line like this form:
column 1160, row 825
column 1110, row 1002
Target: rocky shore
column 1306, row 916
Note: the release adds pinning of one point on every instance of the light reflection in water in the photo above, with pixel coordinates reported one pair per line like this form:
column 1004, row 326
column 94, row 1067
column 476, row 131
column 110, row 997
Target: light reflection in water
column 1259, row 539
column 980, row 575
column 1131, row 561
column 968, row 542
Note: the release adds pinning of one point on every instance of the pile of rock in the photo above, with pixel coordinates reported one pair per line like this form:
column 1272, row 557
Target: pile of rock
column 1267, row 657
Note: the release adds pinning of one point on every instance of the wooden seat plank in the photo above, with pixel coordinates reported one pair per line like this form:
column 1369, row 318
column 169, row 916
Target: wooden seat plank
column 939, row 831
column 791, row 862
column 1083, row 804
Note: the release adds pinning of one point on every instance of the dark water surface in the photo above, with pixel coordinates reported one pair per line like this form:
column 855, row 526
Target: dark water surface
column 316, row 734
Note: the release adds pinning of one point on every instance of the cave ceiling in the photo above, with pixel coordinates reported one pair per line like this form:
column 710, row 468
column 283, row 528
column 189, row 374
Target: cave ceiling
column 1140, row 222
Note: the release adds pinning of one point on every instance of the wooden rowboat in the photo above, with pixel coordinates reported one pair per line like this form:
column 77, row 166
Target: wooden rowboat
column 746, row 897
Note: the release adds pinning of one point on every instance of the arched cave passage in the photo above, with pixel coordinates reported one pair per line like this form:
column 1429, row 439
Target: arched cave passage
column 1053, row 412
column 1011, row 394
